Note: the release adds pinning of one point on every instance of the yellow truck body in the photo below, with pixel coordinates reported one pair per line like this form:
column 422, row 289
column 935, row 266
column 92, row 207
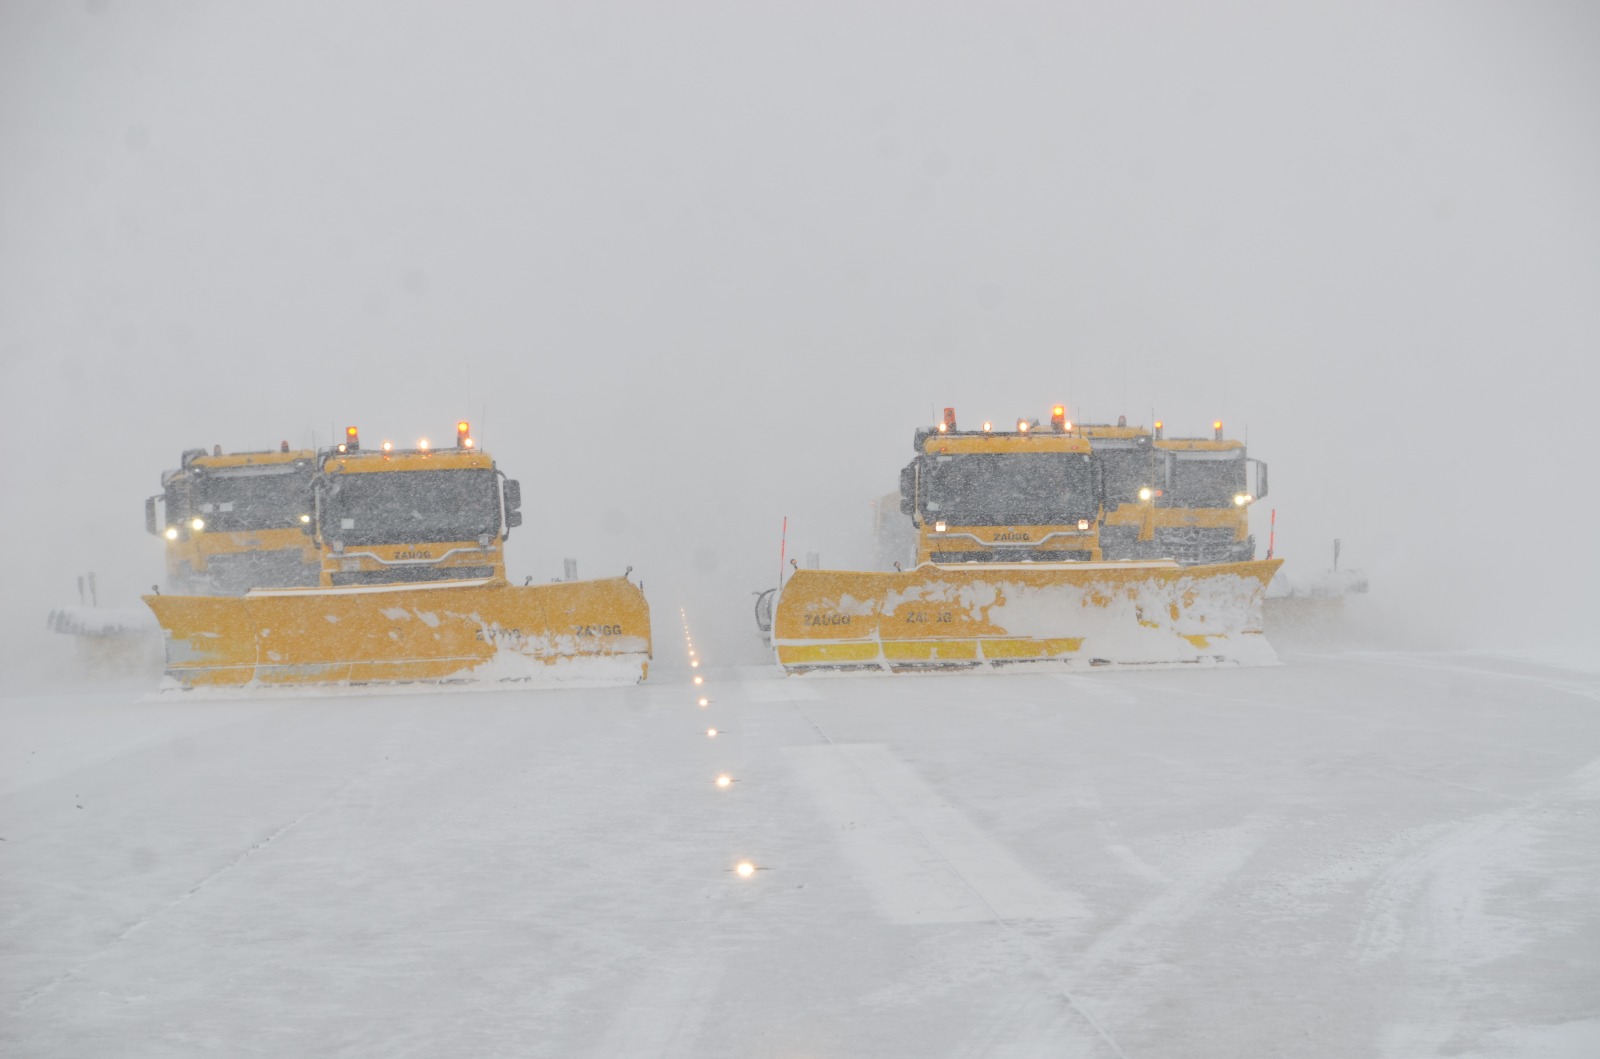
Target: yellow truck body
column 412, row 587
column 235, row 521
column 1011, row 568
column 993, row 497
column 1185, row 499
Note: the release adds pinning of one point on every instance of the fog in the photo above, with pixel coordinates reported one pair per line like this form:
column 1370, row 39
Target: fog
column 691, row 270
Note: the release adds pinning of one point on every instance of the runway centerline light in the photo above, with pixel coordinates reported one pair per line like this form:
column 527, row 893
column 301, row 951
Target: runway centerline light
column 704, row 701
column 699, row 680
column 711, row 733
column 744, row 869
column 724, row 780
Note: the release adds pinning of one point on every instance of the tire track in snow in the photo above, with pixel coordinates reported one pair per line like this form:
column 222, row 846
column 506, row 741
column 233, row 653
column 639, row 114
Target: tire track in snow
column 910, row 784
column 665, row 1011
column 1182, row 897
column 1576, row 685
column 1431, row 904
column 890, row 821
column 1037, row 1026
column 1448, row 851
column 221, row 872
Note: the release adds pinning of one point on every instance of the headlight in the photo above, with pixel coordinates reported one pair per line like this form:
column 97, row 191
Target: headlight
column 1083, row 523
column 305, row 518
column 198, row 524
column 1242, row 499
column 938, row 527
column 172, row 533
column 1144, row 493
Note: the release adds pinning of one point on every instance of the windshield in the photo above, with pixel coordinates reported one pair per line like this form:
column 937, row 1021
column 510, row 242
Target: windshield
column 411, row 507
column 250, row 498
column 1126, row 471
column 1203, row 480
column 996, row 489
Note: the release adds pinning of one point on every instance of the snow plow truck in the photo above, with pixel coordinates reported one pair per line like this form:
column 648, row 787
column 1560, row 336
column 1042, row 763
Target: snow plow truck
column 235, row 521
column 411, row 587
column 1011, row 568
column 1185, row 499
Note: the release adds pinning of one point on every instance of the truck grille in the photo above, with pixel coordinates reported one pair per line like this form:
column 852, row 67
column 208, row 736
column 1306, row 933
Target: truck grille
column 408, row 574
column 1012, row 555
column 1191, row 545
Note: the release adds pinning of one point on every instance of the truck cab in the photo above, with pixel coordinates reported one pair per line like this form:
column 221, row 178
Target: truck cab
column 1025, row 495
column 235, row 521
column 1199, row 507
column 392, row 516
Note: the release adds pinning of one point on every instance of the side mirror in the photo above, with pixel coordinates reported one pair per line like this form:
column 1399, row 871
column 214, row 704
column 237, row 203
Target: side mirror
column 513, row 498
column 150, row 516
column 908, row 488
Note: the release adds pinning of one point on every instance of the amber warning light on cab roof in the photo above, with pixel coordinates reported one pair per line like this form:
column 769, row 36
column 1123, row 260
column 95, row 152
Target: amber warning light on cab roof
column 463, row 435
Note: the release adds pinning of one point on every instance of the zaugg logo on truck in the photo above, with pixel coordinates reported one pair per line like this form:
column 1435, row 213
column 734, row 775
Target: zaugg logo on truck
column 1013, row 537
column 597, row 630
column 413, row 554
column 827, row 619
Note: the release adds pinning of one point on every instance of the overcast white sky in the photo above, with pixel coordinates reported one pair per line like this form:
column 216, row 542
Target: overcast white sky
column 692, row 268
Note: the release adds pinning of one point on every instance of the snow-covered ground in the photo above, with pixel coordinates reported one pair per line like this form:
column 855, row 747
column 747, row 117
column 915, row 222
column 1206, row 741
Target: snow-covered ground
column 1356, row 853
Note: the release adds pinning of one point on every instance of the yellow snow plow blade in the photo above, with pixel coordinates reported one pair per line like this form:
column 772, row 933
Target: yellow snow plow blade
column 583, row 632
column 998, row 614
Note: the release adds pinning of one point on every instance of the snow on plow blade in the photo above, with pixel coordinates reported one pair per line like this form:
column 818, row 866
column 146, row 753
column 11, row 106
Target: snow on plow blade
column 590, row 632
column 992, row 615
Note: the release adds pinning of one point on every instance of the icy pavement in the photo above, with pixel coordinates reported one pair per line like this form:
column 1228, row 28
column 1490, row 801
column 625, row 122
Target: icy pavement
column 1353, row 854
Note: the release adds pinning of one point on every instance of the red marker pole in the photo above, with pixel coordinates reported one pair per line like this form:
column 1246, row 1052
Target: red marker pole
column 1272, row 533
column 783, row 545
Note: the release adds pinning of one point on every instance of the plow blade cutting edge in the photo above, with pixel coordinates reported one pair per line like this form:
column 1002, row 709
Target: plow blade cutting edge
column 579, row 632
column 992, row 615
